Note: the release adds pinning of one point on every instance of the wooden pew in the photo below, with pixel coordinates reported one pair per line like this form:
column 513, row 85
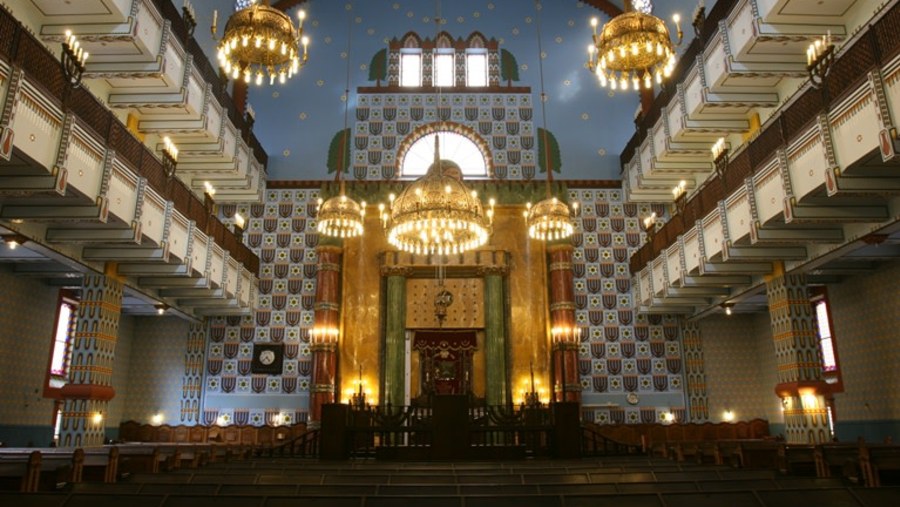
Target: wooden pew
column 838, row 459
column 873, row 459
column 797, row 459
column 40, row 468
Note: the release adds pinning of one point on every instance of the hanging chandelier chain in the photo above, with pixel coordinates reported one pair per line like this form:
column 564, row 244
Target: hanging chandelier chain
column 345, row 133
column 547, row 163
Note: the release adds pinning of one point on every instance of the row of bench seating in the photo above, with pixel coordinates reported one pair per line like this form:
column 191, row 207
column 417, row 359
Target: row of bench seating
column 860, row 462
column 132, row 431
column 31, row 469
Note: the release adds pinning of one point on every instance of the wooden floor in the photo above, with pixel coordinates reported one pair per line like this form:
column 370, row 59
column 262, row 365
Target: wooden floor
column 619, row 482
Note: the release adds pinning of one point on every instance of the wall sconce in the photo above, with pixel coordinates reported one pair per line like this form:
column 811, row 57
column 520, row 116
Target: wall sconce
column 222, row 420
column 727, row 307
column 74, row 58
column 728, row 415
column 161, row 308
column 209, row 193
column 169, row 157
column 97, row 418
column 14, row 240
column 678, row 193
column 157, row 419
column 649, row 223
column 720, row 152
column 819, row 57
column 324, row 335
column 190, row 17
column 239, row 222
column 668, row 417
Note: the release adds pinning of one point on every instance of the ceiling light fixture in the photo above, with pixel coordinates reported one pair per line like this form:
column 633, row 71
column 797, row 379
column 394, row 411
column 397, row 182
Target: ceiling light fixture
column 549, row 219
column 633, row 48
column 260, row 41
column 341, row 216
column 437, row 213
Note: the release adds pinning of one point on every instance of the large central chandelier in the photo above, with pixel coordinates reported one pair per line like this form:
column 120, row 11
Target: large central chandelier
column 437, row 214
column 633, row 48
column 260, row 41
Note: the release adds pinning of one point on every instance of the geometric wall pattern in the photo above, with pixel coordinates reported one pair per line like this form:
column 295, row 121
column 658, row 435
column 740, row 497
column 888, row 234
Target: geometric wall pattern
column 866, row 319
column 192, row 383
column 695, row 373
column 630, row 363
column 25, row 342
column 502, row 120
column 282, row 232
column 91, row 364
column 799, row 358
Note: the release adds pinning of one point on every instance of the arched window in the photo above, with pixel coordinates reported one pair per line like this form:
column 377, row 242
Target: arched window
column 456, row 147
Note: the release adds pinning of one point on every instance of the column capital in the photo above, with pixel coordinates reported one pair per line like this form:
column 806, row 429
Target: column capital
column 87, row 392
column 560, row 247
column 404, row 271
column 329, row 249
column 493, row 270
column 819, row 387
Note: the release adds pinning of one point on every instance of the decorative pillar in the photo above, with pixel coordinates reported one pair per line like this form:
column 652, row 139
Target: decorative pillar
column 395, row 336
column 89, row 390
column 497, row 379
column 192, row 381
column 563, row 332
column 326, row 330
column 799, row 359
column 695, row 373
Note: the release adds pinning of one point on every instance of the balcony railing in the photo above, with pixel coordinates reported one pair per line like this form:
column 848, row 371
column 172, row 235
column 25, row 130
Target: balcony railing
column 23, row 50
column 878, row 44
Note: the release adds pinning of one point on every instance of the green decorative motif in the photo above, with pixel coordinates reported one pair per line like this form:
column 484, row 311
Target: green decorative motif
column 335, row 159
column 509, row 67
column 378, row 67
column 555, row 158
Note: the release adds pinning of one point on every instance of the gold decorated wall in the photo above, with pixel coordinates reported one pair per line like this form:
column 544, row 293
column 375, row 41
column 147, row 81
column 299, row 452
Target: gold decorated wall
column 526, row 291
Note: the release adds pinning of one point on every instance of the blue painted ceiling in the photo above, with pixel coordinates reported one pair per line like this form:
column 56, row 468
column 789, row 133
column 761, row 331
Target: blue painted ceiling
column 295, row 121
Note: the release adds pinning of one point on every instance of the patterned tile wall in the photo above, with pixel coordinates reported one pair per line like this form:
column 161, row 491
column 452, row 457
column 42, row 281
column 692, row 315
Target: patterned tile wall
column 739, row 355
column 121, row 368
column 866, row 319
column 623, row 352
column 26, row 328
column 502, row 120
column 156, row 369
column 282, row 232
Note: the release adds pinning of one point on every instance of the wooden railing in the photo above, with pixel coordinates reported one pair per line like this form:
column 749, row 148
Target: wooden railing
column 132, row 431
column 414, row 432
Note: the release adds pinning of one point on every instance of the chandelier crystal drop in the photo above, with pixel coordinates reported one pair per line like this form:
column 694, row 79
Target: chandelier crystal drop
column 437, row 214
column 261, row 44
column 549, row 220
column 633, row 50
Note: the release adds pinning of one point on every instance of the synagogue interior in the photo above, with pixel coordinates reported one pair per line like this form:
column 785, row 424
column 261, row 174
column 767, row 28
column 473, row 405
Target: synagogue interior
column 399, row 231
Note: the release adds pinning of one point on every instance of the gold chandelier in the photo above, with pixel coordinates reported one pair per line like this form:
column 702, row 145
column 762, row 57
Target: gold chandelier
column 341, row 216
column 631, row 49
column 260, row 41
column 437, row 214
column 549, row 220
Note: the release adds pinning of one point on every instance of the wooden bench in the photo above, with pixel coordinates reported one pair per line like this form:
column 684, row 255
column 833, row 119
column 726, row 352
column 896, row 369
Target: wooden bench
column 873, row 459
column 44, row 468
column 837, row 459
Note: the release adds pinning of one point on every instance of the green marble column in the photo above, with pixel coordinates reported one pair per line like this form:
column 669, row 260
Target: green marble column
column 395, row 339
column 496, row 385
